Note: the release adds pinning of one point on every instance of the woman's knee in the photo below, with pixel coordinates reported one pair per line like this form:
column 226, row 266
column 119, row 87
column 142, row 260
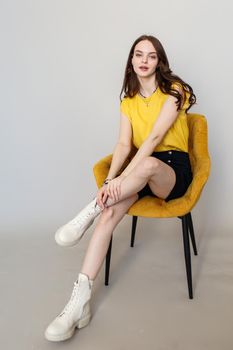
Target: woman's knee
column 147, row 166
column 117, row 211
column 107, row 214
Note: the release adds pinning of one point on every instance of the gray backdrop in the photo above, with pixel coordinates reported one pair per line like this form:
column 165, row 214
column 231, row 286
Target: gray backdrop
column 62, row 66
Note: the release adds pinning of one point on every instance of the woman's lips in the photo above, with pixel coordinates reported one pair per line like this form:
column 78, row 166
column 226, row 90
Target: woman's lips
column 143, row 68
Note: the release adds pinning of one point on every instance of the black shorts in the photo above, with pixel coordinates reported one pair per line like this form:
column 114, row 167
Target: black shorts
column 180, row 162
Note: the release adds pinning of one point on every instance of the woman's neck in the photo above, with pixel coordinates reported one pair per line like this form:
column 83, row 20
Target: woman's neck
column 147, row 85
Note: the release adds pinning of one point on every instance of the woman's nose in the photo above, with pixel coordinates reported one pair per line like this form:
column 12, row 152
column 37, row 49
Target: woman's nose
column 144, row 59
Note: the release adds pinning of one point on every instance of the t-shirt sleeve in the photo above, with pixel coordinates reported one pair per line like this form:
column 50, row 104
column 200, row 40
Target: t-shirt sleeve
column 124, row 108
column 179, row 87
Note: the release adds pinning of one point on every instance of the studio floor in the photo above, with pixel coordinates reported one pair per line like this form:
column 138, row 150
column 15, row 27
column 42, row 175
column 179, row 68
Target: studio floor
column 146, row 305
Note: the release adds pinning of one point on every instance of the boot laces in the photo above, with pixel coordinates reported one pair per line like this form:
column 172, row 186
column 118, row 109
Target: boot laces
column 72, row 302
column 82, row 219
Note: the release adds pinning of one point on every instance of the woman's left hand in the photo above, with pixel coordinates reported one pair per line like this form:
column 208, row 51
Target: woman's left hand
column 113, row 189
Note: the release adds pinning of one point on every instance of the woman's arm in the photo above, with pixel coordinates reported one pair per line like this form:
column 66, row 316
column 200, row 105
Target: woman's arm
column 120, row 153
column 166, row 118
column 122, row 148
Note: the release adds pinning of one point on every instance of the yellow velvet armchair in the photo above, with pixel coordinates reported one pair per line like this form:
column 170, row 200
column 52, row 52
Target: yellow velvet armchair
column 154, row 207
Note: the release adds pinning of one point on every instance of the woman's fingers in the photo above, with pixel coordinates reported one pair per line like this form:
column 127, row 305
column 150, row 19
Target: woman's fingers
column 114, row 191
column 99, row 200
column 114, row 194
column 103, row 200
column 105, row 196
column 109, row 191
column 119, row 191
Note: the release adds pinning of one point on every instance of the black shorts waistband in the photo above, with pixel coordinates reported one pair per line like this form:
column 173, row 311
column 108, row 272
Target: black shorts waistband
column 177, row 154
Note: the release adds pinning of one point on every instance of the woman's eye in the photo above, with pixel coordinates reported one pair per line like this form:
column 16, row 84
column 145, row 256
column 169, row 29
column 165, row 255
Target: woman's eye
column 138, row 55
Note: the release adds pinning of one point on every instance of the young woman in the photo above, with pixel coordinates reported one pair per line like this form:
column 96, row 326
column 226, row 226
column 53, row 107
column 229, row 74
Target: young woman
column 154, row 119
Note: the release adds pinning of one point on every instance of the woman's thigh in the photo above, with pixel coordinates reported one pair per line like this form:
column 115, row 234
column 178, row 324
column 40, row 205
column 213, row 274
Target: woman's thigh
column 163, row 178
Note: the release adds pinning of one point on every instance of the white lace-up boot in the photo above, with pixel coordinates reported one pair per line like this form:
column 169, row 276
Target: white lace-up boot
column 69, row 234
column 75, row 314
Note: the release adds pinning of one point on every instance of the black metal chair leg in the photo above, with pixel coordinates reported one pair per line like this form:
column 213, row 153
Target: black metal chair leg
column 191, row 232
column 107, row 262
column 187, row 254
column 133, row 231
column 187, row 228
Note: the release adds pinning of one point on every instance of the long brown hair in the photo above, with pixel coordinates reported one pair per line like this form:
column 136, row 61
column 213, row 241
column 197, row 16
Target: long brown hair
column 164, row 75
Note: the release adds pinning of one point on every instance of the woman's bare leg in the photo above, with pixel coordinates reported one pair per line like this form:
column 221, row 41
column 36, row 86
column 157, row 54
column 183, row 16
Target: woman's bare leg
column 160, row 177
column 99, row 243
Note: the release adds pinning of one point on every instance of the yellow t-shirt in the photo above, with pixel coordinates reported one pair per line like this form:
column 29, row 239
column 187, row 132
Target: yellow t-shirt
column 143, row 117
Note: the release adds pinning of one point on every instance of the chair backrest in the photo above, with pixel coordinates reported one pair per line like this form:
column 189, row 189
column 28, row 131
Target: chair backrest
column 199, row 156
column 198, row 141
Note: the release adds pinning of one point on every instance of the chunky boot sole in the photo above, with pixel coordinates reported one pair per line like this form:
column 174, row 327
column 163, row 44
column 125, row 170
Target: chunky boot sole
column 73, row 243
column 52, row 337
column 83, row 322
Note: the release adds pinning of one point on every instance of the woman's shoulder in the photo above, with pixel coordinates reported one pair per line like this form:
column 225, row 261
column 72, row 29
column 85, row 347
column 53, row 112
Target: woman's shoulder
column 128, row 101
column 125, row 106
column 125, row 99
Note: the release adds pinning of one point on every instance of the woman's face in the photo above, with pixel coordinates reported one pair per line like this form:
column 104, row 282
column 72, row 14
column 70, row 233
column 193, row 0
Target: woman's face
column 144, row 59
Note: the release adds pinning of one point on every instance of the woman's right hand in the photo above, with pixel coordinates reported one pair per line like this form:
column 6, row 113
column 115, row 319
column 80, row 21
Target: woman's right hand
column 102, row 196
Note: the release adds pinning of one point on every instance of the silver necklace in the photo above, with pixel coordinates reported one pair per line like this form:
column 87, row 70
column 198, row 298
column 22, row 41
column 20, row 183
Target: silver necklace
column 147, row 101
